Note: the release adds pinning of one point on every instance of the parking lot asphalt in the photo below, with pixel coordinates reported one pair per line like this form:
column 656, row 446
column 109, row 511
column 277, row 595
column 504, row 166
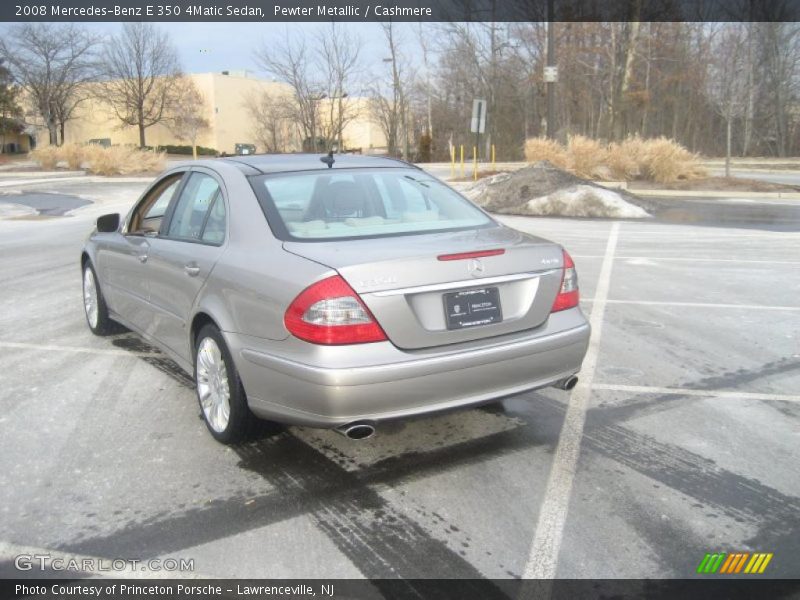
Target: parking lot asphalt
column 682, row 438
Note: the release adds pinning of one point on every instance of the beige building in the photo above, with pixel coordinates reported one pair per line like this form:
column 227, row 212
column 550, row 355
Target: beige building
column 226, row 96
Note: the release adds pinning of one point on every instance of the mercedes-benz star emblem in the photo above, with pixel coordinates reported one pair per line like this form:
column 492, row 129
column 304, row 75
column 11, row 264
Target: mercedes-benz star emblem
column 475, row 267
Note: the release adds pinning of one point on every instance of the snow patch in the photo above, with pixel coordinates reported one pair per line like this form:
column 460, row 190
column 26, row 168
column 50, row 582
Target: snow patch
column 585, row 201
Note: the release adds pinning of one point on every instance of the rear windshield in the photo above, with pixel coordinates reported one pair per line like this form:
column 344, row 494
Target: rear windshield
column 362, row 203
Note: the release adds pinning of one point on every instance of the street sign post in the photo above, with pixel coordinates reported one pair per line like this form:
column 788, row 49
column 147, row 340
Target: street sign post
column 478, row 122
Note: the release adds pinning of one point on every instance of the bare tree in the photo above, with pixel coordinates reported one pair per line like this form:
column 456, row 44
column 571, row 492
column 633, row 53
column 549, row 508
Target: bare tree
column 142, row 76
column 271, row 115
column 390, row 108
column 290, row 63
column 52, row 63
column 781, row 63
column 726, row 82
column 187, row 121
column 338, row 60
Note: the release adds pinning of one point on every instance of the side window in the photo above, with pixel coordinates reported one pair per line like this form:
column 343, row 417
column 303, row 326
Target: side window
column 214, row 233
column 148, row 215
column 189, row 216
column 159, row 207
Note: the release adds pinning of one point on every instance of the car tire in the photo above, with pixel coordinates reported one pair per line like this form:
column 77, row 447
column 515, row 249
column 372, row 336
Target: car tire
column 94, row 305
column 222, row 399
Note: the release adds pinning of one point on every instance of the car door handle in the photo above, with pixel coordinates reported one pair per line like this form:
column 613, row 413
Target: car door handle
column 142, row 258
column 192, row 270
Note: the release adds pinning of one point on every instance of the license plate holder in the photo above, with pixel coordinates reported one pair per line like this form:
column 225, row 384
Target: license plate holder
column 472, row 308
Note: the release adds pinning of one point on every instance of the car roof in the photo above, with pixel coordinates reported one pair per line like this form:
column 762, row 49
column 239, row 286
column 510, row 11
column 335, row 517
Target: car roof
column 283, row 163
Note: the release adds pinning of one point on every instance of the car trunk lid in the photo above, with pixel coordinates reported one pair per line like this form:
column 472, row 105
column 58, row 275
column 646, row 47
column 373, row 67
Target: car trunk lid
column 420, row 290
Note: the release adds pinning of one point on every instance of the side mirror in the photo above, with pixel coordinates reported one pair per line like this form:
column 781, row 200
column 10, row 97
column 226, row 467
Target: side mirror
column 108, row 223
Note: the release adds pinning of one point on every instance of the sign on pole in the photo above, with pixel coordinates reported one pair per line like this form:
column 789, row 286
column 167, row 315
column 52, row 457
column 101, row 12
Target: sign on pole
column 478, row 124
column 551, row 74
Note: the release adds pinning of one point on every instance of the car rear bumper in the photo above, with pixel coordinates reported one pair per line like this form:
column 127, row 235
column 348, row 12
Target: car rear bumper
column 337, row 385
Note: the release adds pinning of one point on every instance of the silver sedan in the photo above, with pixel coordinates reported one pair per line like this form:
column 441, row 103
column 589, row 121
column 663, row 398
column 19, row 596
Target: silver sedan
column 333, row 292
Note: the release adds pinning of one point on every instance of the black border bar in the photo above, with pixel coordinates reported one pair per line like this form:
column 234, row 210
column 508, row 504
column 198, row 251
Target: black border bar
column 484, row 589
column 399, row 10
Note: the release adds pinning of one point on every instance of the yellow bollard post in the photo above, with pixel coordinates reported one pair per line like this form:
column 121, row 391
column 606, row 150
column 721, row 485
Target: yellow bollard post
column 493, row 163
column 462, row 160
column 474, row 163
column 452, row 162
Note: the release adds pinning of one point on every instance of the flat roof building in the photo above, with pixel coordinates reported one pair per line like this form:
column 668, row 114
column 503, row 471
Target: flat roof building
column 225, row 99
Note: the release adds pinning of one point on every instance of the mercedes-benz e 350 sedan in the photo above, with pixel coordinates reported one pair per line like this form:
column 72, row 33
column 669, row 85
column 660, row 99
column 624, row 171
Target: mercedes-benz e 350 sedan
column 333, row 292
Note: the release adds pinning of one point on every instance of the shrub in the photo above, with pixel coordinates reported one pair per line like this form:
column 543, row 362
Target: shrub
column 46, row 156
column 72, row 154
column 623, row 158
column 424, row 152
column 660, row 159
column 540, row 148
column 123, row 160
column 172, row 149
column 665, row 161
column 586, row 157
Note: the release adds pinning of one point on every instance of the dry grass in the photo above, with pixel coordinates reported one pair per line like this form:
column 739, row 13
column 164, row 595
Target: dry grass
column 46, row 156
column 540, row 148
column 73, row 155
column 586, row 157
column 623, row 158
column 122, row 160
column 116, row 160
column 664, row 161
column 661, row 160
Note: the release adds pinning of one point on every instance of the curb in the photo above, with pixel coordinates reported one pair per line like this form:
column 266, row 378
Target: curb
column 80, row 179
column 715, row 194
column 24, row 174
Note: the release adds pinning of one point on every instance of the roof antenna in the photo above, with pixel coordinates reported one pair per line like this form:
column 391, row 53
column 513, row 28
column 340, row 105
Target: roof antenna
column 328, row 159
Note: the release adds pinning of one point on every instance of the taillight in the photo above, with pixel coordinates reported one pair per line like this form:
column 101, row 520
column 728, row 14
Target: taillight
column 330, row 312
column 568, row 294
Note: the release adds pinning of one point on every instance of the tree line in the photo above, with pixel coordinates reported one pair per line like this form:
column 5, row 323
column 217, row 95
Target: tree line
column 713, row 87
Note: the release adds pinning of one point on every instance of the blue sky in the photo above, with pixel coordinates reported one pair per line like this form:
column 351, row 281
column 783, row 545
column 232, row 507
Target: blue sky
column 206, row 47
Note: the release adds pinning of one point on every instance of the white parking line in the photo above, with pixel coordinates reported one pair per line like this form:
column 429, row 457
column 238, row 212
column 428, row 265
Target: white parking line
column 102, row 565
column 694, row 304
column 646, row 389
column 54, row 348
column 544, row 550
column 694, row 260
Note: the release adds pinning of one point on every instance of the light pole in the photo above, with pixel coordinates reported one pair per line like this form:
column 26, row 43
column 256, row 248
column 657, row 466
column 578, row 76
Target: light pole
column 398, row 98
column 551, row 63
column 315, row 98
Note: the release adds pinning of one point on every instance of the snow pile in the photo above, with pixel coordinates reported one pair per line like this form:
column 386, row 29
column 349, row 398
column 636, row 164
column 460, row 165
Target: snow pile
column 585, row 201
column 542, row 189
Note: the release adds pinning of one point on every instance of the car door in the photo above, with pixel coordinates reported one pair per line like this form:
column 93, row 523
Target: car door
column 123, row 259
column 181, row 258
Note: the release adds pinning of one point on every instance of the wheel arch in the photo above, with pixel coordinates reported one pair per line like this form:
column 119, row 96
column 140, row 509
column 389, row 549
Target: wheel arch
column 200, row 320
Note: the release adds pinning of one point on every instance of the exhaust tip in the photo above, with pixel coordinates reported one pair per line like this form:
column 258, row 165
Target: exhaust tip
column 357, row 431
column 568, row 383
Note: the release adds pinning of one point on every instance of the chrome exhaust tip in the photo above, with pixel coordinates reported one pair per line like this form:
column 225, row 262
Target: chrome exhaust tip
column 568, row 383
column 360, row 430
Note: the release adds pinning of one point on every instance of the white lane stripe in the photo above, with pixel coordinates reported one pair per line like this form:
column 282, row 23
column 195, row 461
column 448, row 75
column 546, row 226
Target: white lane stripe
column 694, row 260
column 9, row 551
column 694, row 304
column 543, row 555
column 646, row 389
column 54, row 348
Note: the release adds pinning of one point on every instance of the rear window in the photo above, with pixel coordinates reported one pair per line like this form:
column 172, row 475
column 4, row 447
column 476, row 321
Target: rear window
column 363, row 203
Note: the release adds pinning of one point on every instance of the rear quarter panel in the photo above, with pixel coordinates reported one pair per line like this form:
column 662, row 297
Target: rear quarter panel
column 255, row 279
